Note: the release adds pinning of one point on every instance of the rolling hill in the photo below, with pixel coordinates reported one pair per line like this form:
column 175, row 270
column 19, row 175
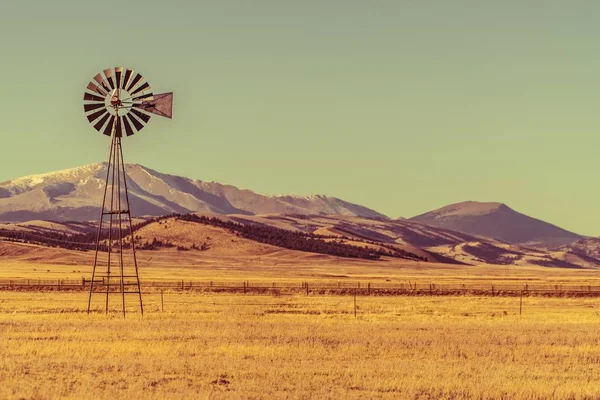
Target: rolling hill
column 435, row 244
column 212, row 234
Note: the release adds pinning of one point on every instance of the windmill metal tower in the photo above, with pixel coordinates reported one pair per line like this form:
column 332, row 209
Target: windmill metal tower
column 118, row 101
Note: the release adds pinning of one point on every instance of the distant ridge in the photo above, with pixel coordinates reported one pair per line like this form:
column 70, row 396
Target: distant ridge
column 76, row 193
column 497, row 221
column 382, row 238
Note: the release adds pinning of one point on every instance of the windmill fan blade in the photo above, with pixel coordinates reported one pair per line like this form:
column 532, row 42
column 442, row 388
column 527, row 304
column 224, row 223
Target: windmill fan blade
column 98, row 78
column 134, row 82
column 128, row 73
column 141, row 115
column 108, row 73
column 96, row 115
column 93, row 88
column 92, row 107
column 145, row 86
column 162, row 105
column 101, row 122
column 108, row 129
column 118, row 74
column 128, row 129
column 143, row 96
column 138, row 125
column 91, row 97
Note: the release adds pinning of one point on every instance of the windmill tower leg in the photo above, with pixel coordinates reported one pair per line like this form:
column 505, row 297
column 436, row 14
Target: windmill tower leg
column 131, row 236
column 99, row 235
column 111, row 163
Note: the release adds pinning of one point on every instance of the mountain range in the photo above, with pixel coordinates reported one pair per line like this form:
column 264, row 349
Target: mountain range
column 75, row 195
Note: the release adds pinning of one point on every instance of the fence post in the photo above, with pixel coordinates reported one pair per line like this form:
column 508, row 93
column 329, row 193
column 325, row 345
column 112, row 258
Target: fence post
column 306, row 288
column 244, row 286
column 82, row 283
column 59, row 284
column 430, row 289
column 521, row 304
column 355, row 304
column 492, row 290
column 182, row 284
column 162, row 302
column 369, row 288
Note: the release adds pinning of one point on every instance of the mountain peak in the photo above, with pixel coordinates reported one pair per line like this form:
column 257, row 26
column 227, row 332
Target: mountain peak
column 495, row 220
column 299, row 197
column 470, row 208
column 65, row 174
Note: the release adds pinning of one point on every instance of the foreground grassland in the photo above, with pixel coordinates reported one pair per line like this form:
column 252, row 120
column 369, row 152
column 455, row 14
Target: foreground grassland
column 286, row 267
column 236, row 346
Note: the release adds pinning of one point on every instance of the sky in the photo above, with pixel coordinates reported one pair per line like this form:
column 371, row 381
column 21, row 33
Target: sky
column 401, row 106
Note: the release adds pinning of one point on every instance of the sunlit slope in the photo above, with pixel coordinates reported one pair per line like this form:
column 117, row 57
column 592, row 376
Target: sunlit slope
column 205, row 238
column 435, row 243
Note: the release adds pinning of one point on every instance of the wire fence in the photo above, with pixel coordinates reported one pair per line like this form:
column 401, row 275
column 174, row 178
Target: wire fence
column 315, row 287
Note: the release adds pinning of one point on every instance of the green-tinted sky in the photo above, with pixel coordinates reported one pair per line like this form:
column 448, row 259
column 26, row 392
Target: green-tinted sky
column 402, row 106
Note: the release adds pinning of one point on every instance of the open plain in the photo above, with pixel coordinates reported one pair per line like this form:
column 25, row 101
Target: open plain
column 236, row 346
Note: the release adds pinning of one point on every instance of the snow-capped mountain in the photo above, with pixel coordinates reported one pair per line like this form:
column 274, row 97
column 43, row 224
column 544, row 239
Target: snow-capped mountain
column 76, row 194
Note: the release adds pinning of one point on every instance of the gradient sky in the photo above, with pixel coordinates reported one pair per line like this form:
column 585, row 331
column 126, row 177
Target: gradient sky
column 402, row 106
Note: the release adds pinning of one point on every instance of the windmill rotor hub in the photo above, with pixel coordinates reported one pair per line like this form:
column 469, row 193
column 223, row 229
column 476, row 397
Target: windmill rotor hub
column 119, row 103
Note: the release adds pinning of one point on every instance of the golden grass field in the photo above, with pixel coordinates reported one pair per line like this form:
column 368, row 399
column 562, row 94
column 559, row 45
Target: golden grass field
column 235, row 346
column 23, row 261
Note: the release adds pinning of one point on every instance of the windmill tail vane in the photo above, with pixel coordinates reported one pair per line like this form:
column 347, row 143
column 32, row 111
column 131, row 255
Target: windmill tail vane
column 119, row 101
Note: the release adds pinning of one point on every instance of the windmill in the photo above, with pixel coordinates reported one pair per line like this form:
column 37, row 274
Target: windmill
column 119, row 101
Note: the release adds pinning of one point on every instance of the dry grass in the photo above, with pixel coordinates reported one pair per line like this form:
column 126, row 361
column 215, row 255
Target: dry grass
column 219, row 241
column 285, row 265
column 234, row 346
